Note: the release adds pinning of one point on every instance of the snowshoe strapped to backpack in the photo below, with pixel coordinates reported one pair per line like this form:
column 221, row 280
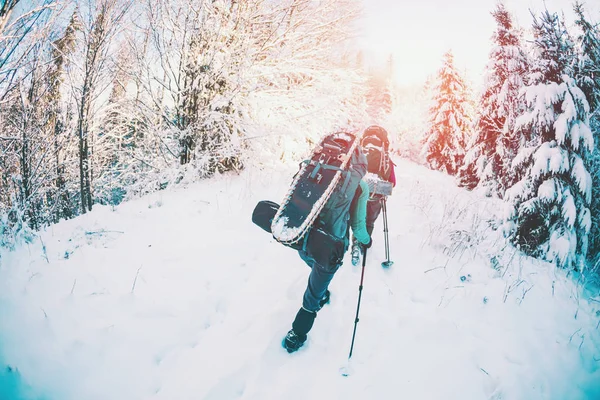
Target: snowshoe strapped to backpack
column 331, row 168
column 315, row 213
column 376, row 145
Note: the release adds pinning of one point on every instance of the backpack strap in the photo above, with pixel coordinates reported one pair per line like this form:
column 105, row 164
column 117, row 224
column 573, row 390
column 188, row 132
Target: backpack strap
column 324, row 166
column 332, row 167
column 318, row 166
column 315, row 170
column 346, row 182
column 305, row 239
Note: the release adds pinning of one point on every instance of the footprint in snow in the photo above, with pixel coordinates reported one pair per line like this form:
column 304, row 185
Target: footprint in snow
column 230, row 387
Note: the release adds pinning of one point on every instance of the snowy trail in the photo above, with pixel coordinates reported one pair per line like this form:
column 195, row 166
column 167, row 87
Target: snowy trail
column 179, row 296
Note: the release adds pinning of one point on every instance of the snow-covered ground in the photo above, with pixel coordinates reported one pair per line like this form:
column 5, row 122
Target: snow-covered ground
column 178, row 295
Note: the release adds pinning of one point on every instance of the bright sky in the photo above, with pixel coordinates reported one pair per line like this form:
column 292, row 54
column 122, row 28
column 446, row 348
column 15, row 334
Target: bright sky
column 419, row 32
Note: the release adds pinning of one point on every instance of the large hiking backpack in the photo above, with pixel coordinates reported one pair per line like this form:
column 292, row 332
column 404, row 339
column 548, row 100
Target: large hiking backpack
column 315, row 213
column 376, row 145
column 335, row 216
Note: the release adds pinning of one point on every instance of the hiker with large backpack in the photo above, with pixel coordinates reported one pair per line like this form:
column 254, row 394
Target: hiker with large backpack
column 326, row 198
column 381, row 179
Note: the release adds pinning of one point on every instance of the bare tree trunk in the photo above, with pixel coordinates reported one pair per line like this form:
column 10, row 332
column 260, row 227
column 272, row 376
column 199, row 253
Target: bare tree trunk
column 89, row 171
column 25, row 170
column 105, row 25
column 81, row 131
column 59, row 178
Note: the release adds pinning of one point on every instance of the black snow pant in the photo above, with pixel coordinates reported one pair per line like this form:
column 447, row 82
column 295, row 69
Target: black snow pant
column 373, row 210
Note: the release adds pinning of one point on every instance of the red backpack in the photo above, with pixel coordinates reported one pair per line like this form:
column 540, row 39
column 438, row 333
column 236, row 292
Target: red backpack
column 376, row 146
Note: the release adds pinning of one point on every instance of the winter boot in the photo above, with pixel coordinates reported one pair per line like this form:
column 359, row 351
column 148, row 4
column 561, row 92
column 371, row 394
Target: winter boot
column 325, row 299
column 296, row 337
column 293, row 342
column 355, row 252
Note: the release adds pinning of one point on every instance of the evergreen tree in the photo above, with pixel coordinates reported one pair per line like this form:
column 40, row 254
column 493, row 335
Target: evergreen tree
column 588, row 78
column 449, row 120
column 487, row 162
column 587, row 68
column 547, row 209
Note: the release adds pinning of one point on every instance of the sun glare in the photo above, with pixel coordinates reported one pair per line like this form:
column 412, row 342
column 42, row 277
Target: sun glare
column 417, row 34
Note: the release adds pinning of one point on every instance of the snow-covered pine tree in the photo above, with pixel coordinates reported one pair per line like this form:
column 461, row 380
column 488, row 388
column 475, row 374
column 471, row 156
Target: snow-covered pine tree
column 587, row 68
column 449, row 120
column 547, row 212
column 588, row 78
column 493, row 145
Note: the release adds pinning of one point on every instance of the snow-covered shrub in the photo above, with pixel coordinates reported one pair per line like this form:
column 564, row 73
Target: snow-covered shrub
column 14, row 228
column 458, row 223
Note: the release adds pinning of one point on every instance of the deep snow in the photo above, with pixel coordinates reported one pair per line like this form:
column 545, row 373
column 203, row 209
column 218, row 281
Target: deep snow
column 178, row 295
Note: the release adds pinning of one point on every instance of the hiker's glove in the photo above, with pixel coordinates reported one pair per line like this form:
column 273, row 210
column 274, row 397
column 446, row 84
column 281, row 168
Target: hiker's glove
column 368, row 245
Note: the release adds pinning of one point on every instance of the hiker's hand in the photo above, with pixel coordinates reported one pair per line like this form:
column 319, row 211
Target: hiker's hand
column 368, row 245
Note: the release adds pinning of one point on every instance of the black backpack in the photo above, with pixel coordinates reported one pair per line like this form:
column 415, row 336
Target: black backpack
column 376, row 146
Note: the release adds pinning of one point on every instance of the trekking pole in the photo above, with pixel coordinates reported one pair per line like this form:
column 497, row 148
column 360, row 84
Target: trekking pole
column 387, row 263
column 360, row 288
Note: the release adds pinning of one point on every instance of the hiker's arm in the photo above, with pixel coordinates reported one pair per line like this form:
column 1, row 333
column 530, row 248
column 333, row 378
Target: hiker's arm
column 358, row 217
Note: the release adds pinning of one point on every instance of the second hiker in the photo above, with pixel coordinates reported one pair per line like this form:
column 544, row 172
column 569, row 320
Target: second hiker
column 375, row 144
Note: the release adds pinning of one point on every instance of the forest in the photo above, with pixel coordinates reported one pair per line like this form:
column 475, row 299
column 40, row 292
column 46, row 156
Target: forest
column 107, row 100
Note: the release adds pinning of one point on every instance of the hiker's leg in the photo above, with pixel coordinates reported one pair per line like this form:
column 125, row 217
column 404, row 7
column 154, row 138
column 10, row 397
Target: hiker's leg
column 306, row 258
column 302, row 325
column 318, row 282
column 373, row 211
